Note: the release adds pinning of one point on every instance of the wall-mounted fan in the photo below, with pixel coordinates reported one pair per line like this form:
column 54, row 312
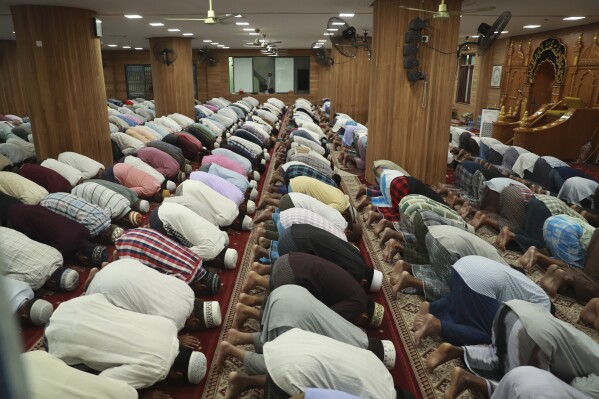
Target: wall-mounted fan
column 344, row 38
column 443, row 13
column 164, row 54
column 211, row 17
column 207, row 55
column 488, row 34
column 321, row 55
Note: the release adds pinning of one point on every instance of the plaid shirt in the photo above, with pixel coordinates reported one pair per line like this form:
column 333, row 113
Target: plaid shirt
column 243, row 147
column 93, row 217
column 430, row 218
column 312, row 159
column 414, row 202
column 161, row 253
column 104, row 198
column 558, row 207
column 252, row 147
column 568, row 238
column 293, row 216
column 24, row 259
column 304, row 170
column 398, row 189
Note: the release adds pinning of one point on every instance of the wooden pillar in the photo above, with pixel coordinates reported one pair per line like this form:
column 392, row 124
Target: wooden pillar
column 60, row 58
column 351, row 84
column 12, row 91
column 173, row 84
column 406, row 123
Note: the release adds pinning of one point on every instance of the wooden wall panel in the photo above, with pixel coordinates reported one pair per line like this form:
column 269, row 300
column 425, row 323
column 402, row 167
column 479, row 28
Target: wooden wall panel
column 113, row 63
column 351, row 85
column 63, row 80
column 173, row 84
column 401, row 129
column 13, row 99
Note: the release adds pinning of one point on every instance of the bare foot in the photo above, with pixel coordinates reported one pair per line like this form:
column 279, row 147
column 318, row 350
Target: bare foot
column 405, row 280
column 243, row 313
column 224, row 352
column 260, row 268
column 251, row 281
column 391, row 249
column 264, row 242
column 260, row 252
column 388, row 234
column 364, row 203
column 529, row 259
column 372, row 216
column 431, row 326
column 236, row 337
column 92, row 274
column 552, row 280
column 462, row 380
column 444, row 353
column 399, row 267
column 380, row 226
column 590, row 313
column 188, row 341
column 361, row 191
column 263, row 216
column 466, row 209
column 479, row 219
column 251, row 300
column 239, row 383
column 442, row 188
column 422, row 312
column 504, row 238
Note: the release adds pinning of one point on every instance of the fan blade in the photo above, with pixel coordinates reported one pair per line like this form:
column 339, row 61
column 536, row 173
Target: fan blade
column 417, row 9
column 277, row 42
column 225, row 16
column 185, row 19
column 472, row 10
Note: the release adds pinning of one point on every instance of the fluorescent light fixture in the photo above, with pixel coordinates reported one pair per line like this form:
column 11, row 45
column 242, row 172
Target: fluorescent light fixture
column 254, row 33
column 133, row 16
column 346, row 14
column 226, row 47
column 328, row 34
column 242, row 23
column 338, row 23
column 573, row 18
column 112, row 45
column 215, row 43
column 126, row 46
column 322, row 40
column 238, row 16
column 156, row 24
column 531, row 26
column 248, row 29
column 174, row 30
column 221, row 45
column 207, row 41
column 139, row 48
column 188, row 34
column 333, row 29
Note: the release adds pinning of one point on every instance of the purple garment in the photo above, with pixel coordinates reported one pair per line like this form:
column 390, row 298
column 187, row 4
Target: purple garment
column 219, row 185
column 348, row 136
column 211, row 107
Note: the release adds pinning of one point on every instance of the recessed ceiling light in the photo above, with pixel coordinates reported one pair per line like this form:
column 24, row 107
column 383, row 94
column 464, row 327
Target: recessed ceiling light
column 13, row 32
column 215, row 43
column 221, row 45
column 248, row 29
column 139, row 48
column 338, row 23
column 112, row 45
column 226, row 47
column 328, row 34
column 254, row 33
column 156, row 24
column 133, row 16
column 573, row 18
column 503, row 32
column 322, row 40
column 531, row 26
column 238, row 16
column 126, row 46
column 333, row 29
column 207, row 41
column 347, row 14
column 174, row 30
column 242, row 23
column 188, row 34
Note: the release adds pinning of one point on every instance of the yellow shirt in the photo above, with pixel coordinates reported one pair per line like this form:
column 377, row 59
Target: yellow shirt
column 21, row 188
column 326, row 194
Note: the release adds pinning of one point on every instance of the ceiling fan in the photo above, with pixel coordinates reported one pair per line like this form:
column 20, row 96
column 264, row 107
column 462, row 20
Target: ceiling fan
column 211, row 17
column 443, row 13
column 260, row 41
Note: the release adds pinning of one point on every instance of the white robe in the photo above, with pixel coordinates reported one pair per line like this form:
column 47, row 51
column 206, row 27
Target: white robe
column 87, row 166
column 134, row 348
column 131, row 285
column 73, row 175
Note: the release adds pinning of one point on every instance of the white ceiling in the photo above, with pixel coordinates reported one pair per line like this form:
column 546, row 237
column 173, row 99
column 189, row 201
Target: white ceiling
column 297, row 23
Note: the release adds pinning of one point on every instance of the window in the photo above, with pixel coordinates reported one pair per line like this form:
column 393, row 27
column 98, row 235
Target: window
column 138, row 79
column 465, row 72
column 250, row 74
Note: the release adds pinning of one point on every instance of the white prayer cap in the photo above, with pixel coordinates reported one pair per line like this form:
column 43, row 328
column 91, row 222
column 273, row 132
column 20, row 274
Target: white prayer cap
column 209, row 313
column 69, row 280
column 377, row 281
column 256, row 175
column 197, row 367
column 170, row 185
column 230, row 258
column 247, row 223
column 263, row 161
column 253, row 183
column 40, row 312
column 251, row 207
column 389, row 354
column 254, row 194
column 144, row 206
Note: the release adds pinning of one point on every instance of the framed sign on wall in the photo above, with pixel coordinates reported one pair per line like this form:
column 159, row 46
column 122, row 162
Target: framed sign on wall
column 496, row 76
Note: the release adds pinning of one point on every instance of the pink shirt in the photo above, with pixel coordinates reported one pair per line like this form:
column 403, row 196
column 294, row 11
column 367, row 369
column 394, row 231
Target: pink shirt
column 143, row 184
column 225, row 162
column 159, row 160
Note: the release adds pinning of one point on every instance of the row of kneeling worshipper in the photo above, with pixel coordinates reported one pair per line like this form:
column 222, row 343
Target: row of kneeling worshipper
column 126, row 325
column 309, row 284
column 468, row 286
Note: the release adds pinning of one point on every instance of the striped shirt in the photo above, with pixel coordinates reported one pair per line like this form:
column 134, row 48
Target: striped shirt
column 305, row 201
column 93, row 217
column 311, row 158
column 160, row 253
column 105, row 198
column 293, row 216
column 26, row 260
column 252, row 147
